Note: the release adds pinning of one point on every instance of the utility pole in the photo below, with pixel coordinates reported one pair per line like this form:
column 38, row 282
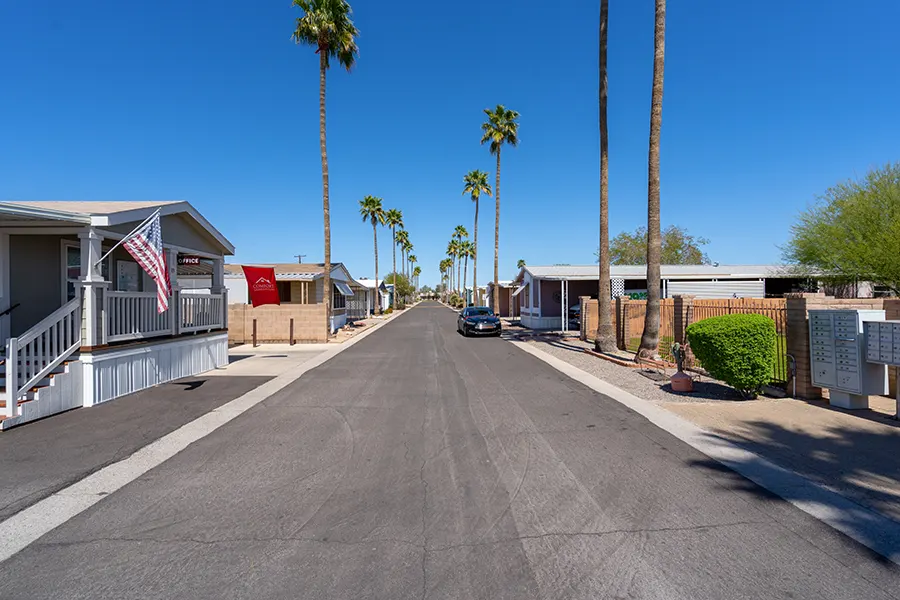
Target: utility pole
column 300, row 258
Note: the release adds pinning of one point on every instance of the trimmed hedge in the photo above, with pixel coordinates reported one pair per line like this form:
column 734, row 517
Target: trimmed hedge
column 738, row 349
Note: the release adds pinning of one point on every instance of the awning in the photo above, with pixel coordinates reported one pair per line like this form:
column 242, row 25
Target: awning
column 343, row 288
column 519, row 291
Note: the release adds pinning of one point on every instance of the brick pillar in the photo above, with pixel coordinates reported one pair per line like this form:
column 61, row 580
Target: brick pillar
column 621, row 322
column 585, row 307
column 797, row 306
column 683, row 309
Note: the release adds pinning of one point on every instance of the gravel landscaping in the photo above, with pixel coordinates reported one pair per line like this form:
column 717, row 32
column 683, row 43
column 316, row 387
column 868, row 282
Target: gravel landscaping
column 632, row 380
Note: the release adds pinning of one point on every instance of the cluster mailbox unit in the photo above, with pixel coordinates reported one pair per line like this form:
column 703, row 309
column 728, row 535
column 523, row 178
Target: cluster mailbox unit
column 839, row 358
column 883, row 346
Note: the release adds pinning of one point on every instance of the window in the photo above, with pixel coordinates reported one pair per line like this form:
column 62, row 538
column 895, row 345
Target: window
column 71, row 261
column 284, row 291
column 338, row 300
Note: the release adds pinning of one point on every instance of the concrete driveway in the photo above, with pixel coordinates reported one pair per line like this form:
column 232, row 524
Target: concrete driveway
column 421, row 464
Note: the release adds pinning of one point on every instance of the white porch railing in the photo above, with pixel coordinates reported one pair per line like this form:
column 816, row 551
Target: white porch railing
column 133, row 316
column 201, row 312
column 37, row 352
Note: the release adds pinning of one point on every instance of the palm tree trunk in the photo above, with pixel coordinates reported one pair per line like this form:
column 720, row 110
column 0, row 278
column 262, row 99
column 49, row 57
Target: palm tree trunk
column 475, row 258
column 650, row 336
column 326, row 209
column 465, row 278
column 377, row 291
column 394, row 240
column 458, row 268
column 605, row 340
column 497, row 239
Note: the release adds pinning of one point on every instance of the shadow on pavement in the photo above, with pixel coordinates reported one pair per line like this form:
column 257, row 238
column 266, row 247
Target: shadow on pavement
column 863, row 465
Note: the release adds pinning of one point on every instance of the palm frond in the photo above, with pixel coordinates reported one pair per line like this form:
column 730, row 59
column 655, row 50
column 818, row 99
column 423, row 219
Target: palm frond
column 326, row 24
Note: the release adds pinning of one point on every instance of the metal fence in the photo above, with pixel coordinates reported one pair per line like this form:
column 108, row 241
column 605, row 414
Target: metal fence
column 775, row 309
column 636, row 313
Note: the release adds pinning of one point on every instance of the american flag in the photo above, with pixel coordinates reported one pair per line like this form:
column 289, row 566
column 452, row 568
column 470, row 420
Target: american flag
column 145, row 245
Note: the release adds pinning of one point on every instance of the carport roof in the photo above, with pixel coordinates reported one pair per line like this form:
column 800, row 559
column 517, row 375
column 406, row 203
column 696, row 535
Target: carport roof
column 714, row 271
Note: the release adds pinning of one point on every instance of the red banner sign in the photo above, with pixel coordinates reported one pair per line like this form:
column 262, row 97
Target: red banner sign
column 261, row 285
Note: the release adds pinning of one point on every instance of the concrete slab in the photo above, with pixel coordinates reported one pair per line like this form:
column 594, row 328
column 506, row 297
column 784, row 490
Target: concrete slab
column 268, row 360
column 852, row 452
column 45, row 456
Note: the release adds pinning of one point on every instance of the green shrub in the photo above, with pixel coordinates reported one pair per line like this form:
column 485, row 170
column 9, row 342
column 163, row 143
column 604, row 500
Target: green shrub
column 738, row 349
column 388, row 310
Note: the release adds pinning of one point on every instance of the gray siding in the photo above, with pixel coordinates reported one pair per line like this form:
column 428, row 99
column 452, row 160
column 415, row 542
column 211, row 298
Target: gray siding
column 35, row 278
column 178, row 231
column 724, row 288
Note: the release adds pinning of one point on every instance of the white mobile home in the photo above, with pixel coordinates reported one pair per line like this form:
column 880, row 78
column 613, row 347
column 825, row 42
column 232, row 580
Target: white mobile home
column 542, row 291
column 76, row 331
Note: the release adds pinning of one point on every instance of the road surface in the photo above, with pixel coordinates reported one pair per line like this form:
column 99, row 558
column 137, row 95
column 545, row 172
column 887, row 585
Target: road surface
column 421, row 464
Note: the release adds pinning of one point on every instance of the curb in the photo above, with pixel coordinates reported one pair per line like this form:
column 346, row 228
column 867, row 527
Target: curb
column 871, row 528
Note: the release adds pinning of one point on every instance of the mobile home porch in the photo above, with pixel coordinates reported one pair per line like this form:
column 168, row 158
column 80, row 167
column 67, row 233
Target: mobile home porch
column 76, row 331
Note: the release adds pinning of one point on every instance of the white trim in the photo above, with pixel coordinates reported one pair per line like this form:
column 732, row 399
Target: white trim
column 5, row 300
column 64, row 268
column 11, row 208
column 39, row 229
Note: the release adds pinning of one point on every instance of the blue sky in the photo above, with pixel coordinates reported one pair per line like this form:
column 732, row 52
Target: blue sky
column 766, row 105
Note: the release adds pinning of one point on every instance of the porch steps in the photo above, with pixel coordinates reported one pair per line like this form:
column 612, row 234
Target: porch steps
column 34, row 394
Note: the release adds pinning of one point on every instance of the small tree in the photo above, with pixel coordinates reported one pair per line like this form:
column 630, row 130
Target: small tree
column 852, row 233
column 678, row 247
column 402, row 287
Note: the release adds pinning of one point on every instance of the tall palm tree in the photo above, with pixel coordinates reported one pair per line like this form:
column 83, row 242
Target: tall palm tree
column 402, row 239
column 410, row 260
column 371, row 210
column 476, row 183
column 407, row 248
column 500, row 128
column 650, row 336
column 394, row 219
column 446, row 268
column 520, row 263
column 416, row 272
column 459, row 233
column 605, row 339
column 467, row 251
column 452, row 253
column 326, row 25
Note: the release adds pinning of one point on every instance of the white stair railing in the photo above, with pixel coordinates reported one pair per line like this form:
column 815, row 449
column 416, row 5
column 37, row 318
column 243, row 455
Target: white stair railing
column 37, row 352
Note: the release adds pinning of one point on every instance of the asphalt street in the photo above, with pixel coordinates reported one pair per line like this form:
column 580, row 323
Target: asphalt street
column 421, row 464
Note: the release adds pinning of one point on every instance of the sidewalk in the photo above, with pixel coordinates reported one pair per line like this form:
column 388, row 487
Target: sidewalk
column 854, row 453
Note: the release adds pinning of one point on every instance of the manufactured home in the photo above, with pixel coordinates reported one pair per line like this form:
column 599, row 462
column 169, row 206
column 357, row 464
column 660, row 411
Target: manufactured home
column 77, row 331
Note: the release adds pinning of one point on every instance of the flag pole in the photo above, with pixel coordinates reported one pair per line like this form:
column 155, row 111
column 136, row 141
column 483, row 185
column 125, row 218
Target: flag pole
column 127, row 237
